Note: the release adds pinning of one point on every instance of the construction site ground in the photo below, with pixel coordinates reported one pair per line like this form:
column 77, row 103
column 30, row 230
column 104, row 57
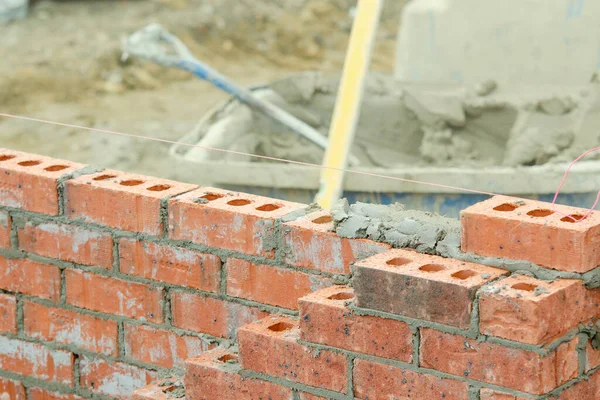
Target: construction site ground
column 63, row 64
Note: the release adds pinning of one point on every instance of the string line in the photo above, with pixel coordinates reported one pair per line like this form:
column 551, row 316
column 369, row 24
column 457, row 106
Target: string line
column 312, row 165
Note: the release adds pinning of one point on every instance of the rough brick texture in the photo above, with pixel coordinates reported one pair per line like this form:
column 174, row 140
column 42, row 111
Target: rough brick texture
column 109, row 279
column 270, row 346
column 532, row 231
column 326, row 319
column 5, row 224
column 68, row 243
column 421, row 286
column 228, row 220
column 270, row 285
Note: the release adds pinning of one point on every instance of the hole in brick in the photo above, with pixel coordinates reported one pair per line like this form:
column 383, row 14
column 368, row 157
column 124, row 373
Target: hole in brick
column 6, row 157
column 432, row 268
column 527, row 287
column 132, row 182
column 29, row 163
column 239, row 202
column 398, row 261
column 159, row 188
column 341, row 296
column 325, row 219
column 464, row 274
column 269, row 207
column 228, row 357
column 281, row 326
column 104, row 177
column 572, row 218
column 54, row 168
column 540, row 213
column 506, row 207
column 211, row 196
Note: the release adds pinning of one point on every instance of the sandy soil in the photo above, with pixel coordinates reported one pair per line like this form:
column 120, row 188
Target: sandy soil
column 63, row 64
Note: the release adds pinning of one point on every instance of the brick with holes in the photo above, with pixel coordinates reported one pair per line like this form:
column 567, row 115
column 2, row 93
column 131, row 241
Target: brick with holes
column 530, row 230
column 529, row 310
column 5, row 225
column 421, row 286
column 30, row 182
column 215, row 376
column 119, row 200
column 312, row 243
column 270, row 346
column 68, row 243
column 228, row 220
column 514, row 368
column 326, row 319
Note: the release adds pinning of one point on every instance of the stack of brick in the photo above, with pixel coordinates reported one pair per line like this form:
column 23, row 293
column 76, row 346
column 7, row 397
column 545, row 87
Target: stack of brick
column 108, row 279
column 417, row 326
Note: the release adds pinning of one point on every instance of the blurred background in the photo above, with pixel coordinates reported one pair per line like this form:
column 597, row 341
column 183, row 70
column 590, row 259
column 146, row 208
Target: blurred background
column 488, row 97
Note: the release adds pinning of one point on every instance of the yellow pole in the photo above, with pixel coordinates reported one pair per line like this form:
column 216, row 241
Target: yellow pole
column 347, row 107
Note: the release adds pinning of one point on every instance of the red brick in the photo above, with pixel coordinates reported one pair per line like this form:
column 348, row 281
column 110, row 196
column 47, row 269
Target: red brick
column 270, row 285
column 212, row 316
column 173, row 265
column 15, row 389
column 114, row 296
column 41, row 394
column 119, row 200
column 378, row 381
column 161, row 390
column 592, row 359
column 311, row 243
column 69, row 327
column 31, row 278
column 68, row 243
column 585, row 390
column 228, row 220
column 5, row 223
column 8, row 313
column 113, row 379
column 489, row 394
column 214, row 376
column 35, row 360
column 160, row 347
column 511, row 228
column 518, row 369
column 30, row 182
column 415, row 285
column 269, row 346
column 529, row 310
column 326, row 319
column 308, row 396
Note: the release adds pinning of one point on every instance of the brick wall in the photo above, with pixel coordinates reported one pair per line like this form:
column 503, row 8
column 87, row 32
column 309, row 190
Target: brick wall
column 110, row 282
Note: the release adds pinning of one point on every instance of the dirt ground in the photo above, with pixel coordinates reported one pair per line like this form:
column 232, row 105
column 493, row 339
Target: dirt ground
column 63, row 64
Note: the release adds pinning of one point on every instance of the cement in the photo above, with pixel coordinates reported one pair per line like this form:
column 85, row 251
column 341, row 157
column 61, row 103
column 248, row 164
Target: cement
column 431, row 234
column 415, row 124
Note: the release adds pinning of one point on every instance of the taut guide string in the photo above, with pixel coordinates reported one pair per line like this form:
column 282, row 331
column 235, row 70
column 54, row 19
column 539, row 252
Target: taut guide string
column 350, row 171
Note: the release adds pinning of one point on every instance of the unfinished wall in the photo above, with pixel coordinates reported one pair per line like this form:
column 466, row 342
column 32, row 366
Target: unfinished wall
column 110, row 282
